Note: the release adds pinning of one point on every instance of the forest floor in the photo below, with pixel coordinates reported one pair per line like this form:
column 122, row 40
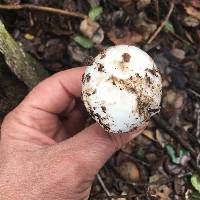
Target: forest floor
column 164, row 162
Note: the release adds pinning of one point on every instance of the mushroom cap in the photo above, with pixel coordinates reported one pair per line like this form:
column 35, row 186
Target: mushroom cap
column 122, row 88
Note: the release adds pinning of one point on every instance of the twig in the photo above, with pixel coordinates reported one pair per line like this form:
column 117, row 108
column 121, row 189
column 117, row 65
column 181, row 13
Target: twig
column 193, row 92
column 198, row 161
column 197, row 112
column 135, row 159
column 163, row 23
column 164, row 125
column 103, row 185
column 42, row 8
column 128, row 196
column 181, row 39
column 110, row 196
column 157, row 8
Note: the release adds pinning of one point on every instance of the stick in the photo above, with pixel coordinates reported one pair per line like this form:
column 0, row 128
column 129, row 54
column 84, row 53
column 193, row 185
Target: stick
column 193, row 92
column 163, row 23
column 23, row 65
column 103, row 185
column 198, row 161
column 128, row 196
column 197, row 111
column 181, row 39
column 42, row 8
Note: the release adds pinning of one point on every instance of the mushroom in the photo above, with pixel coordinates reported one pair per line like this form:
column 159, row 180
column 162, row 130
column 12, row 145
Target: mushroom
column 122, row 88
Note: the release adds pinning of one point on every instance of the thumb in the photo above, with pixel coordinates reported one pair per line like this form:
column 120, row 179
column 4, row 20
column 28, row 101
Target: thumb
column 92, row 147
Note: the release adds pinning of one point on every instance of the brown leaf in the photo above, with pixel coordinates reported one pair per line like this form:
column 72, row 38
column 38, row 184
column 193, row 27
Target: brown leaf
column 160, row 138
column 92, row 30
column 149, row 134
column 162, row 192
column 170, row 97
column 178, row 53
column 76, row 52
column 144, row 25
column 192, row 12
column 143, row 3
column 194, row 3
column 191, row 21
column 124, row 37
column 129, row 171
column 128, row 5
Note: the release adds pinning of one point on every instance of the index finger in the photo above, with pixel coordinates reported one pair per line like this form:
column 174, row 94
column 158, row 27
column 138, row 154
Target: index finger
column 56, row 93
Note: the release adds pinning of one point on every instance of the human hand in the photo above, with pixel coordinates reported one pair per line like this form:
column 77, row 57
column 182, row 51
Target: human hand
column 45, row 154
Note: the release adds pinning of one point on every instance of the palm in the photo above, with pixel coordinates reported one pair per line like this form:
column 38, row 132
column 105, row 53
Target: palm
column 47, row 128
column 49, row 113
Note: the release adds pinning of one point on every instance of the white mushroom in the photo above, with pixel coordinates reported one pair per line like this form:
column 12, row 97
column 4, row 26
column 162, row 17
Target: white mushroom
column 122, row 88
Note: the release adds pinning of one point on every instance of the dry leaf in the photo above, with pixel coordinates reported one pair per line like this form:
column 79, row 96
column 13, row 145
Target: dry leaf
column 149, row 134
column 124, row 37
column 160, row 138
column 143, row 3
column 192, row 12
column 179, row 103
column 129, row 171
column 194, row 3
column 187, row 126
column 178, row 53
column 191, row 21
column 170, row 97
column 144, row 26
column 92, row 30
column 121, row 198
column 162, row 192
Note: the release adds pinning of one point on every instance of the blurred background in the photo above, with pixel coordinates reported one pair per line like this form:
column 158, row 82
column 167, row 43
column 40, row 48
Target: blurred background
column 162, row 163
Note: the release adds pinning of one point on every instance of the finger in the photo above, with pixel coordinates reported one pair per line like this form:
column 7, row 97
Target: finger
column 55, row 94
column 92, row 147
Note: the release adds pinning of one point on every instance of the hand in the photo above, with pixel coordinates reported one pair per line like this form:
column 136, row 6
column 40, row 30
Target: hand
column 44, row 154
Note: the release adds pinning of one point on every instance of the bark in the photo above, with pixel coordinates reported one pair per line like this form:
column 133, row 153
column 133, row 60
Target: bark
column 23, row 65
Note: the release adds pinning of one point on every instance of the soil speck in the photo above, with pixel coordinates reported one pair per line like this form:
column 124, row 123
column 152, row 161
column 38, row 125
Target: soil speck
column 126, row 57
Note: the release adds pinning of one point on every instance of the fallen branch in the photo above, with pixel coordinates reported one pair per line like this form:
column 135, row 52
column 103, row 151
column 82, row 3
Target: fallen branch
column 163, row 23
column 42, row 8
column 25, row 67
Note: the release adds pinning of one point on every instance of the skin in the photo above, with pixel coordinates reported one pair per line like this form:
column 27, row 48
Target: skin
column 45, row 152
